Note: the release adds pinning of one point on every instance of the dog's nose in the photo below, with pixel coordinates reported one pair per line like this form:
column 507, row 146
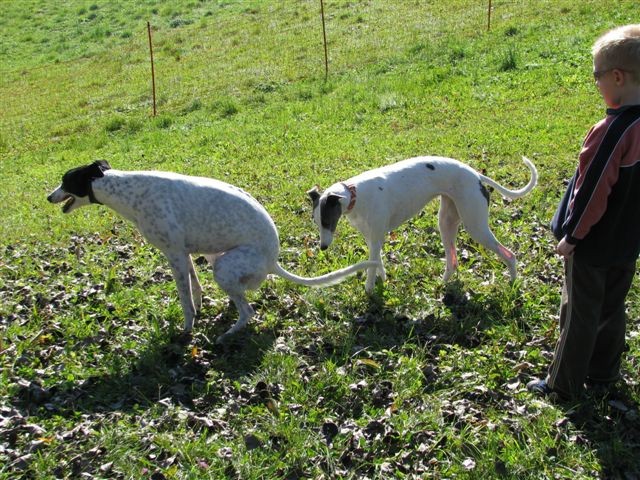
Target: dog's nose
column 324, row 247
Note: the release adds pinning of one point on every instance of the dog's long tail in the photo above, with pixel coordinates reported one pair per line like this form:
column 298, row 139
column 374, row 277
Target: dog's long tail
column 327, row 279
column 515, row 193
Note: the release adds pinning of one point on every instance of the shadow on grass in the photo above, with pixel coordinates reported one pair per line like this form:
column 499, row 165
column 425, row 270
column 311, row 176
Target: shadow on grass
column 179, row 371
column 609, row 424
column 170, row 370
column 462, row 321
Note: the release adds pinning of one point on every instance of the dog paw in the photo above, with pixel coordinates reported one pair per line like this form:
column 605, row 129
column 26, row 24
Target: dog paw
column 446, row 278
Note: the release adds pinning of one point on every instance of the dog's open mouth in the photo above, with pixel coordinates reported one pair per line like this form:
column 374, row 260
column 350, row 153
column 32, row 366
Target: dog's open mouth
column 69, row 201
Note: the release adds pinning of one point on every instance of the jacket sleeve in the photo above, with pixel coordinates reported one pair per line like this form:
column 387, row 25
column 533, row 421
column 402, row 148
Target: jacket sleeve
column 598, row 172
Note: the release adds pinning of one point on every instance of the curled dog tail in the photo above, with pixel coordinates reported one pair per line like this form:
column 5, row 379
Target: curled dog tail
column 328, row 279
column 515, row 193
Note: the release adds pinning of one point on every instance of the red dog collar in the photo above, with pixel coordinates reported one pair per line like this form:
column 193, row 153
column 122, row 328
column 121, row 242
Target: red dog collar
column 352, row 191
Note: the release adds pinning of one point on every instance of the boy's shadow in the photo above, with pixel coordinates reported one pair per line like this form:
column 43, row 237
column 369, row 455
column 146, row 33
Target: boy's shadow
column 609, row 425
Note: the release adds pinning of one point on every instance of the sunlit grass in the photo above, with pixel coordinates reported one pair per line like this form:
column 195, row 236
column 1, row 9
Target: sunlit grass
column 423, row 380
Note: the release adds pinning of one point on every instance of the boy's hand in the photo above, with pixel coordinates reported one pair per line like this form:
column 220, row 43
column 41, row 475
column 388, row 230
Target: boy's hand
column 565, row 248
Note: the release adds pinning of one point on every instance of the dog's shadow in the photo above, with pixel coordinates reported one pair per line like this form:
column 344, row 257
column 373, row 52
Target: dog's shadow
column 171, row 369
column 179, row 370
column 461, row 319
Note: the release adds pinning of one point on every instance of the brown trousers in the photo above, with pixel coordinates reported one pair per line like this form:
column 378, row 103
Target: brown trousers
column 592, row 326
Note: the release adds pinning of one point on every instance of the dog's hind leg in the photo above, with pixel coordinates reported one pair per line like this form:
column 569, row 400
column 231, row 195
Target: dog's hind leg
column 448, row 222
column 196, row 288
column 245, row 312
column 475, row 217
column 243, row 268
column 180, row 266
column 375, row 255
column 509, row 259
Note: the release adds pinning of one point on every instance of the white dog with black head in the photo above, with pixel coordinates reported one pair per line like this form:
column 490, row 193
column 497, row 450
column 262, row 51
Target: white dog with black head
column 182, row 215
column 378, row 201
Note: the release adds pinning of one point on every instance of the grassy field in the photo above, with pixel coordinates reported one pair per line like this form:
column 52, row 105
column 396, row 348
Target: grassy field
column 423, row 380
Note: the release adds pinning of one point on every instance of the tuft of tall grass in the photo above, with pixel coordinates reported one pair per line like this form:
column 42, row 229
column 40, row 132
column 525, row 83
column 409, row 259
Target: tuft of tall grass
column 508, row 59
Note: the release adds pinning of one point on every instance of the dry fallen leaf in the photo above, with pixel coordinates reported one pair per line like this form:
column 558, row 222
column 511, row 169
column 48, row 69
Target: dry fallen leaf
column 469, row 464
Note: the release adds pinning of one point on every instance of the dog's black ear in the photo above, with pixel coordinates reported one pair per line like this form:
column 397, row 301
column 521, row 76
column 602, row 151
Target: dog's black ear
column 314, row 195
column 102, row 166
column 334, row 199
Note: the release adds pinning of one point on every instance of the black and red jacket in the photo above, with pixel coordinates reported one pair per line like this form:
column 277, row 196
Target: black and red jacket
column 600, row 211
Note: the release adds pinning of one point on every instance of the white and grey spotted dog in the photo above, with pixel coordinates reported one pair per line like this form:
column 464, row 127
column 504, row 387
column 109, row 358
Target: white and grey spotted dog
column 378, row 201
column 182, row 215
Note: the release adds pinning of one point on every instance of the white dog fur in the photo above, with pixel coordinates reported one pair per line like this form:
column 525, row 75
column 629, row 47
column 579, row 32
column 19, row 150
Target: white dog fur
column 378, row 201
column 182, row 215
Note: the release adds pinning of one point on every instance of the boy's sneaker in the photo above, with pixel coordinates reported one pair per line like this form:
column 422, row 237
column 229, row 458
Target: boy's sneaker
column 541, row 388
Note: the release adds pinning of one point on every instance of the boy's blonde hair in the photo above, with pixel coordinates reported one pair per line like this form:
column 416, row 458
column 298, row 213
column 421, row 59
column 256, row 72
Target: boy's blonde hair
column 620, row 48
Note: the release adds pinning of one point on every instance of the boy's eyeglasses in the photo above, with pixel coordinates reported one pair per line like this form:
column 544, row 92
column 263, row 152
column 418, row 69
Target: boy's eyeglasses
column 598, row 74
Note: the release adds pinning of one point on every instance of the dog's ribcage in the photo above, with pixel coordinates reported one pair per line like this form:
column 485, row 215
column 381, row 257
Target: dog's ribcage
column 201, row 215
column 412, row 184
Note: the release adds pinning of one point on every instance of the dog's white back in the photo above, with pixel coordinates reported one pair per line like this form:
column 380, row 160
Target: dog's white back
column 399, row 191
column 203, row 215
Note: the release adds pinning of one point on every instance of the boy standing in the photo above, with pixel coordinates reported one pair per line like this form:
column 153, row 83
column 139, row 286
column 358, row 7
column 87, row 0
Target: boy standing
column 597, row 225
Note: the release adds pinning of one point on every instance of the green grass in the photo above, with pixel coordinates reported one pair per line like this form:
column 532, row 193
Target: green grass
column 425, row 380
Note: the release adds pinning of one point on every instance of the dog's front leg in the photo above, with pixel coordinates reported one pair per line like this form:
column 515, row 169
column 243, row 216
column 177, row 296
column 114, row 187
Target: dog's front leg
column 196, row 288
column 180, row 266
column 375, row 255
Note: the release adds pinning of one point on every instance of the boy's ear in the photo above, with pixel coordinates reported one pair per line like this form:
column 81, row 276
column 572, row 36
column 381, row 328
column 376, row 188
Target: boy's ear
column 618, row 76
